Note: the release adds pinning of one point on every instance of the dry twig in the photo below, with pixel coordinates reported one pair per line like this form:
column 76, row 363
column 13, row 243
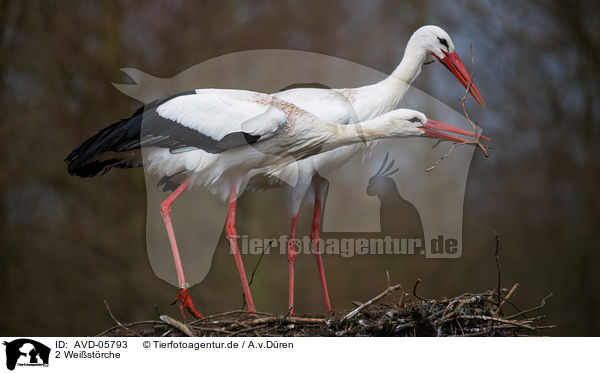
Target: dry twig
column 254, row 272
column 126, row 326
column 497, row 235
column 474, row 125
column 387, row 291
column 117, row 321
column 178, row 325
column 540, row 306
column 415, row 290
column 505, row 299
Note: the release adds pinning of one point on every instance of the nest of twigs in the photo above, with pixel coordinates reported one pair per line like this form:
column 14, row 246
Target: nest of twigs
column 411, row 315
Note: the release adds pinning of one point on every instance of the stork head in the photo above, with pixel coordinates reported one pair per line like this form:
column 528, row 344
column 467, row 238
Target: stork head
column 404, row 122
column 436, row 42
column 433, row 39
column 411, row 123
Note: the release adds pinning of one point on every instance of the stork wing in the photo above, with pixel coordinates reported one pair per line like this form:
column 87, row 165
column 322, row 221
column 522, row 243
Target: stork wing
column 213, row 120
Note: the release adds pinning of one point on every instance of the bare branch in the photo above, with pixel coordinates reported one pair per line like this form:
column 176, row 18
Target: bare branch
column 117, row 321
column 415, row 290
column 505, row 299
column 484, row 148
column 540, row 306
column 497, row 236
column 386, row 292
column 178, row 325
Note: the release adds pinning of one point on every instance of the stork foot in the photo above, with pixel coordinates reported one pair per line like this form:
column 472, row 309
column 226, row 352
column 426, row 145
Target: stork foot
column 185, row 303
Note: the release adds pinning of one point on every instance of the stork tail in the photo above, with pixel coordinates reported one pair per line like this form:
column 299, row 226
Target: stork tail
column 114, row 146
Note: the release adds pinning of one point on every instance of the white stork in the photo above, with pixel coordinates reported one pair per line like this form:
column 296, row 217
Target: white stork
column 351, row 105
column 216, row 137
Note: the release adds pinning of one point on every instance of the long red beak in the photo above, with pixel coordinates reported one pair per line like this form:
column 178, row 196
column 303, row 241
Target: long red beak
column 433, row 127
column 456, row 67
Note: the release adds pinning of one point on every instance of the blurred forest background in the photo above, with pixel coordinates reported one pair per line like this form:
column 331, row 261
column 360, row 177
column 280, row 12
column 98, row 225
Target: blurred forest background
column 67, row 244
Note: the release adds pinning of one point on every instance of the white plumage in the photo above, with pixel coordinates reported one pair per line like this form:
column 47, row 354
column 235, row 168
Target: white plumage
column 285, row 134
column 262, row 131
column 220, row 138
column 350, row 105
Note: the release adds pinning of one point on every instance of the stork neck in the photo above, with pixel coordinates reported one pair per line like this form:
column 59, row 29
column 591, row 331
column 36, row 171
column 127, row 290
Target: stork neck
column 410, row 66
column 373, row 100
column 375, row 129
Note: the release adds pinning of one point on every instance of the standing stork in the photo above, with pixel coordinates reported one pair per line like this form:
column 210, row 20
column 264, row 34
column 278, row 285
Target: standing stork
column 216, row 137
column 351, row 105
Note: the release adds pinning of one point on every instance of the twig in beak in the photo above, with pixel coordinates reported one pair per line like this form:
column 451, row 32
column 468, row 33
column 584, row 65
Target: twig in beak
column 474, row 125
column 428, row 169
column 462, row 102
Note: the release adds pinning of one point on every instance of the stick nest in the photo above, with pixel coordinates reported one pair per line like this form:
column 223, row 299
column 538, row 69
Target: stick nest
column 465, row 315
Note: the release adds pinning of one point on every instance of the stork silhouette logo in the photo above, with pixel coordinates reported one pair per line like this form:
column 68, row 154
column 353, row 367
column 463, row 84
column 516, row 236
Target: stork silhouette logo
column 26, row 352
column 389, row 176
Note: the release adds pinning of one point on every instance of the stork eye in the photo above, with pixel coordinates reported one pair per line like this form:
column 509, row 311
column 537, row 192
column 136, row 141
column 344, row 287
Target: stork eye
column 415, row 120
column 443, row 42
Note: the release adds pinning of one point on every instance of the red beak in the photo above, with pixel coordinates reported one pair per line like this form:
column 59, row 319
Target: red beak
column 456, row 67
column 432, row 128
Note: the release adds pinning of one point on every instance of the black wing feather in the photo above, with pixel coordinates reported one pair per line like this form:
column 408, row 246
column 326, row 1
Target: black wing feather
column 118, row 144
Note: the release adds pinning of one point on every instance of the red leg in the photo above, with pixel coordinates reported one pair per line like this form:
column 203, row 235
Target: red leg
column 314, row 237
column 291, row 260
column 232, row 237
column 165, row 211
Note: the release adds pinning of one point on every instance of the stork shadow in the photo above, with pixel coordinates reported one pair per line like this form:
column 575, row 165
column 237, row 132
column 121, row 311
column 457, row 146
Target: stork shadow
column 398, row 217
